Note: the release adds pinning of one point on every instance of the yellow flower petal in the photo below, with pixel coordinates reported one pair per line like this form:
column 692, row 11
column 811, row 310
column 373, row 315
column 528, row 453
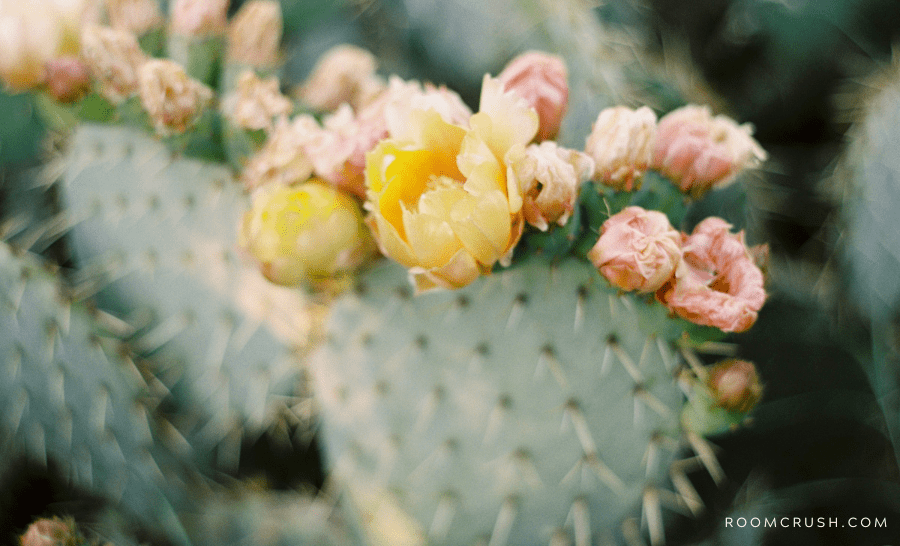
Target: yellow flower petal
column 483, row 225
column 513, row 121
column 431, row 239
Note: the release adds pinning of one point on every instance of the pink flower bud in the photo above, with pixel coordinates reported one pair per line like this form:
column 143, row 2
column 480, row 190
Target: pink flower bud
column 50, row 532
column 254, row 34
column 68, row 79
column 136, row 16
column 172, row 100
column 199, row 17
column 541, row 79
column 735, row 385
column 344, row 74
column 718, row 283
column 548, row 178
column 621, row 144
column 256, row 103
column 700, row 152
column 637, row 250
column 113, row 57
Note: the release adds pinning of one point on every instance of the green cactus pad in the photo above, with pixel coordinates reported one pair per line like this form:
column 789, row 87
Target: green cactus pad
column 534, row 404
column 156, row 236
column 70, row 397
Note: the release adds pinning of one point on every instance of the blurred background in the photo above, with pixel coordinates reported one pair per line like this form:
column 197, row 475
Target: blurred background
column 805, row 73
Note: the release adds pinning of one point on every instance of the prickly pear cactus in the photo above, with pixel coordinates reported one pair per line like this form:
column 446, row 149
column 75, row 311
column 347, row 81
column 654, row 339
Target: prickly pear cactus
column 534, row 405
column 155, row 237
column 871, row 242
column 71, row 396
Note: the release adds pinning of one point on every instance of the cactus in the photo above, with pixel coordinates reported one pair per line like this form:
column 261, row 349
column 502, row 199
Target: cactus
column 532, row 405
column 73, row 397
column 870, row 243
column 161, row 231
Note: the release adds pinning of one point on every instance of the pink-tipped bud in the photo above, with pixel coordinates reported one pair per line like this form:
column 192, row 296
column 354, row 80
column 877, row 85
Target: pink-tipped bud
column 198, row 18
column 735, row 385
column 621, row 144
column 542, row 80
column 113, row 58
column 719, row 284
column 68, row 79
column 638, row 249
column 548, row 177
column 172, row 100
column 135, row 16
column 344, row 74
column 700, row 152
column 254, row 34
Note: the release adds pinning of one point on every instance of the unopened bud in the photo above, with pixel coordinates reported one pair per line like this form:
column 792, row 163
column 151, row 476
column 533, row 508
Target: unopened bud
column 548, row 178
column 113, row 58
column 305, row 233
column 68, row 79
column 172, row 100
column 254, row 35
column 735, row 385
column 199, row 18
column 542, row 80
column 621, row 144
column 51, row 532
column 257, row 103
column 638, row 249
column 344, row 74
column 135, row 16
column 700, row 152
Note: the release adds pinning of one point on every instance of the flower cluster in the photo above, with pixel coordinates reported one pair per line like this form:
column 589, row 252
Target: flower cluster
column 708, row 277
column 695, row 150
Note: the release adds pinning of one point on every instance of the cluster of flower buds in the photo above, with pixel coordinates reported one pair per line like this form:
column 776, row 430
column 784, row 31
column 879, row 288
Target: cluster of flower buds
column 694, row 149
column 709, row 277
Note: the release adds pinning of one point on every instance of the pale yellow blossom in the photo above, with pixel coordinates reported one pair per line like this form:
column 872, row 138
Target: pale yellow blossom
column 254, row 35
column 172, row 99
column 113, row 57
column 621, row 143
column 440, row 200
column 257, row 103
column 304, row 233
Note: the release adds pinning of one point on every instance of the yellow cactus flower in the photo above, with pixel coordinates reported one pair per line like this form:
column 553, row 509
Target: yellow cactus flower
column 438, row 193
column 302, row 233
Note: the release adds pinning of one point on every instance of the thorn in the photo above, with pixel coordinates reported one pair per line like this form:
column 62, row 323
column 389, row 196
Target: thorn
column 704, row 450
column 613, row 309
column 443, row 516
column 85, row 466
column 653, row 515
column 581, row 522
column 495, row 419
column 64, row 428
column 626, row 361
column 515, row 313
column 652, row 402
column 437, row 459
column 582, row 430
column 427, row 409
column 631, row 532
column 99, row 408
column 694, row 362
column 606, row 475
column 665, row 354
column 548, row 359
column 579, row 308
column 607, row 361
column 683, row 486
column 163, row 333
column 504, row 523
